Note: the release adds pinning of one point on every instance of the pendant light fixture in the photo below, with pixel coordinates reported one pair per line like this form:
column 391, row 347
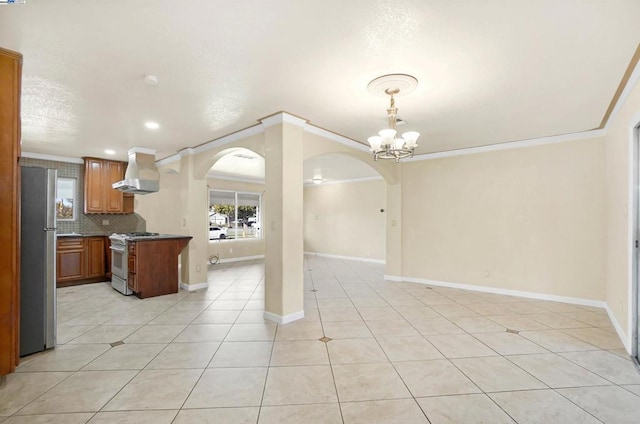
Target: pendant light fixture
column 387, row 144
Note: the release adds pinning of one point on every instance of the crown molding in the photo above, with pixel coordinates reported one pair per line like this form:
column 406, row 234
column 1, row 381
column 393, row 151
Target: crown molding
column 282, row 118
column 510, row 145
column 227, row 139
column 143, row 150
column 312, row 129
column 236, row 179
column 347, row 181
column 43, row 156
column 628, row 88
column 168, row 160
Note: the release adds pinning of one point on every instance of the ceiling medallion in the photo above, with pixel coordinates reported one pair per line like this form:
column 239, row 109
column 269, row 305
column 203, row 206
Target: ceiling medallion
column 386, row 145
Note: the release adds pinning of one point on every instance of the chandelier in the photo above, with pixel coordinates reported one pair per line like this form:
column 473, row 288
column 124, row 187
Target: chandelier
column 387, row 144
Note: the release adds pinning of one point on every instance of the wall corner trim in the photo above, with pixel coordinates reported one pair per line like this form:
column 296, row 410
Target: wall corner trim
column 194, row 287
column 284, row 319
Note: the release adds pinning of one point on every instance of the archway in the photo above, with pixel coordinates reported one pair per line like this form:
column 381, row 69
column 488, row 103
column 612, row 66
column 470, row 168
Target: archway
column 345, row 201
column 235, row 185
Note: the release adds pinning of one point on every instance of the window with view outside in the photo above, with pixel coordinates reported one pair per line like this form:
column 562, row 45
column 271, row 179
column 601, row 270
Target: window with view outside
column 65, row 197
column 234, row 215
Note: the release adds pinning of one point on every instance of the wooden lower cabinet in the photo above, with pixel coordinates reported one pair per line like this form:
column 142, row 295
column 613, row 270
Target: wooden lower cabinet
column 70, row 259
column 153, row 266
column 96, row 255
column 81, row 260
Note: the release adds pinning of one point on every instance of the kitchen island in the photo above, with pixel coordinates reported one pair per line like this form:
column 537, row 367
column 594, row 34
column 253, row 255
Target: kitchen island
column 153, row 264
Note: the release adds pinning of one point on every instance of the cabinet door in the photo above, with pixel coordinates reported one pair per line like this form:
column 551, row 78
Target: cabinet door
column 95, row 257
column 71, row 265
column 113, row 198
column 94, row 181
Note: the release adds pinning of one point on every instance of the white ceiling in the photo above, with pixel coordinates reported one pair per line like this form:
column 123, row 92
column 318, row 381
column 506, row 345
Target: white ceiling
column 489, row 71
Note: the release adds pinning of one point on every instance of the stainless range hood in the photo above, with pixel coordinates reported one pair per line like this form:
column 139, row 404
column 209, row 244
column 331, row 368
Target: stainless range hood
column 142, row 176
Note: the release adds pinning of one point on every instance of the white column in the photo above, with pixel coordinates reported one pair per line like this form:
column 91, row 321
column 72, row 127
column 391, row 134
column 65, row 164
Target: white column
column 194, row 202
column 283, row 214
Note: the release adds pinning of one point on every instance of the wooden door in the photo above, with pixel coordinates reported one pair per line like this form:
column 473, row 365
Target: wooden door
column 10, row 80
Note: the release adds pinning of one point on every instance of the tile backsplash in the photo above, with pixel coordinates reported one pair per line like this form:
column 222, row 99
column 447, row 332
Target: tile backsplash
column 92, row 223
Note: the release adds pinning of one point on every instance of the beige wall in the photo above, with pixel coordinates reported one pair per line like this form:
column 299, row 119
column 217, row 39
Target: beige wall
column 345, row 219
column 230, row 249
column 529, row 219
column 162, row 210
column 618, row 244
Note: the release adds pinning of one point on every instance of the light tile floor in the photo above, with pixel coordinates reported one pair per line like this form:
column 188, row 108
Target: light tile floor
column 399, row 353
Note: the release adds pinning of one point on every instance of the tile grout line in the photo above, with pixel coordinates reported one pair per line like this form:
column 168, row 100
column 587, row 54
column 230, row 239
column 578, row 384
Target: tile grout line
column 326, row 346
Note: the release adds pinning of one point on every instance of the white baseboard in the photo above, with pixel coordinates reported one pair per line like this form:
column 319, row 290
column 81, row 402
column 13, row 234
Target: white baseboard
column 621, row 334
column 495, row 290
column 242, row 258
column 530, row 295
column 348, row 258
column 284, row 319
column 194, row 287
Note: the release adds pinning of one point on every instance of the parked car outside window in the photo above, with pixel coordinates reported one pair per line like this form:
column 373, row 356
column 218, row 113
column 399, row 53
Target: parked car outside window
column 217, row 233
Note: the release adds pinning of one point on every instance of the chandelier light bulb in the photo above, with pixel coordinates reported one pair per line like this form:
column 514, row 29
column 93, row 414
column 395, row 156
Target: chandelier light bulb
column 375, row 142
column 411, row 137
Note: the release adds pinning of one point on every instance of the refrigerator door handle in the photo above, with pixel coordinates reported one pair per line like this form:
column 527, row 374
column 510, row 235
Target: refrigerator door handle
column 52, row 179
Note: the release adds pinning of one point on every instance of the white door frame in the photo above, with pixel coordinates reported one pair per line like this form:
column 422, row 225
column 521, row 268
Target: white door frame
column 634, row 186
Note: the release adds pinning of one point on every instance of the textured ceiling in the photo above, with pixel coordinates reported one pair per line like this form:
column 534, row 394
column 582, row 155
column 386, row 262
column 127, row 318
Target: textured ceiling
column 489, row 71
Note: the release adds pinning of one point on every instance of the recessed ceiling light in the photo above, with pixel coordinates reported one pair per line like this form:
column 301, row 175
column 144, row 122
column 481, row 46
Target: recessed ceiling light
column 151, row 79
column 110, row 152
column 152, row 125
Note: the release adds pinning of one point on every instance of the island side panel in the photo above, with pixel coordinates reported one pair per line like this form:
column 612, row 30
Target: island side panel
column 156, row 266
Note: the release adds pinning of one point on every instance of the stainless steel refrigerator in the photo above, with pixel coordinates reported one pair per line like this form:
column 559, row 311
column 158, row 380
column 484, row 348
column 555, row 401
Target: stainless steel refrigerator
column 37, row 260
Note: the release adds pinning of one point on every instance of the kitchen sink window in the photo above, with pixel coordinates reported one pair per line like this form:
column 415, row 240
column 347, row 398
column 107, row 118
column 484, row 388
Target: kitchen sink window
column 234, row 215
column 65, row 199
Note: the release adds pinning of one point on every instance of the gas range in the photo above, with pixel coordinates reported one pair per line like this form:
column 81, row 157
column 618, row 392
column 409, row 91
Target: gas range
column 119, row 258
column 123, row 237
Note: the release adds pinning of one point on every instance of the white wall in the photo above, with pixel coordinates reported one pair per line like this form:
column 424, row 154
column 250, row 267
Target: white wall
column 345, row 219
column 528, row 219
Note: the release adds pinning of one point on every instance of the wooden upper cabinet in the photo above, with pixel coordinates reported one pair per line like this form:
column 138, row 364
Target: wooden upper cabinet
column 99, row 195
column 94, row 182
column 113, row 198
